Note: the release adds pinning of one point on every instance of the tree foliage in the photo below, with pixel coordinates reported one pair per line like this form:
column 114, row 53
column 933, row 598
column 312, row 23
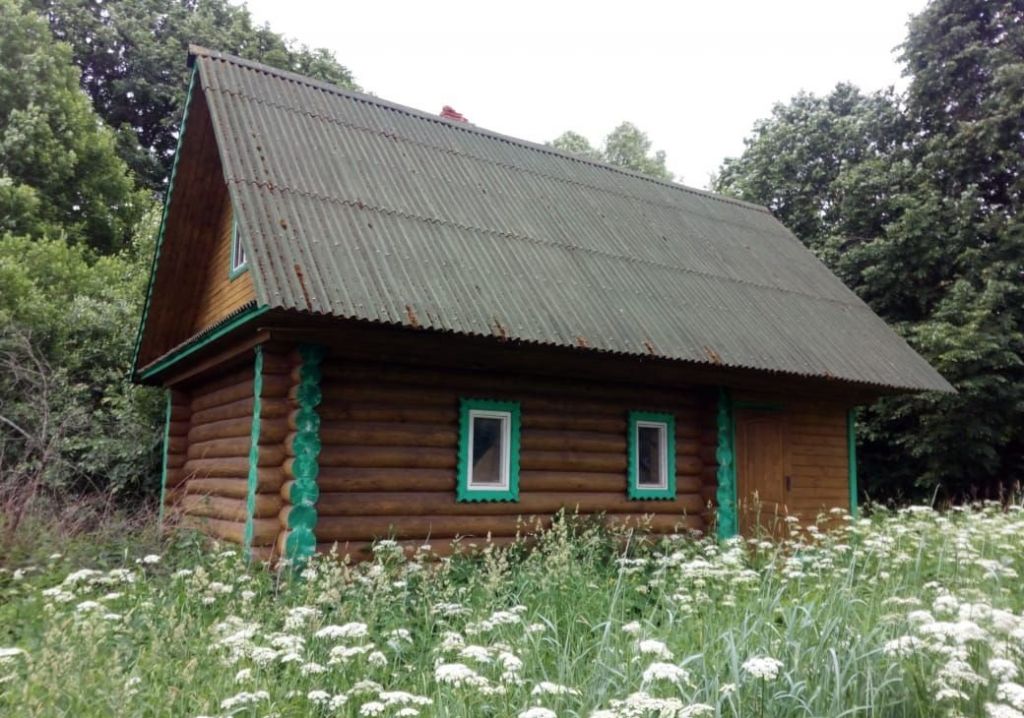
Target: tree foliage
column 59, row 170
column 916, row 202
column 132, row 57
column 626, row 146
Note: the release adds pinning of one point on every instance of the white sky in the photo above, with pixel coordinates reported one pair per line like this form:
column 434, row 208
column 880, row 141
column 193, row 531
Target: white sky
column 693, row 75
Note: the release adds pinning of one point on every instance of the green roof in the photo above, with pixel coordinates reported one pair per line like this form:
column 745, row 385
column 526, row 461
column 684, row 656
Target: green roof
column 354, row 207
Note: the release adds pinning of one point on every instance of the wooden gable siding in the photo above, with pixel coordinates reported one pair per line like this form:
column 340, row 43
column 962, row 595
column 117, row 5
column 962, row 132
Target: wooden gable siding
column 388, row 461
column 219, row 295
column 191, row 290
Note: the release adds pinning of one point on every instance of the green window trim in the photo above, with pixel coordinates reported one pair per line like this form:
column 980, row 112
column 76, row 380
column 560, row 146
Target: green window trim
column 467, row 408
column 635, row 490
column 235, row 271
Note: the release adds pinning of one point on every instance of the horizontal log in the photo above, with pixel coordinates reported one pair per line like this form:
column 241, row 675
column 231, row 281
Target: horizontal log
column 363, row 528
column 178, row 428
column 589, row 441
column 176, row 477
column 484, row 383
column 388, row 457
column 440, row 503
column 264, row 554
column 234, row 488
column 277, row 363
column 225, row 429
column 180, row 412
column 220, row 397
column 387, row 434
column 333, row 478
column 533, row 480
column 177, row 444
column 344, row 411
column 274, row 386
column 264, row 530
column 688, row 464
column 176, row 461
column 574, row 422
column 218, row 507
column 572, row 461
column 269, row 455
column 240, row 372
column 270, row 408
column 222, row 467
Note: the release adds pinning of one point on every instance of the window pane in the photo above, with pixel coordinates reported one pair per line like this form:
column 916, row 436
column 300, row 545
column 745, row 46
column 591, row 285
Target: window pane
column 487, row 436
column 649, row 450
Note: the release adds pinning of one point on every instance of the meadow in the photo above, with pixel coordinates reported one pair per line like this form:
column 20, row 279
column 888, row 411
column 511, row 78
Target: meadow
column 909, row 613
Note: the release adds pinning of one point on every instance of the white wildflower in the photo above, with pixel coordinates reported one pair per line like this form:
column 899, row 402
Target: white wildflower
column 372, row 708
column 1003, row 669
column 458, row 674
column 632, row 628
column 150, row 558
column 319, row 697
column 546, row 688
column 763, row 667
column 665, row 672
column 349, row 630
column 243, row 699
column 651, row 647
column 1012, row 693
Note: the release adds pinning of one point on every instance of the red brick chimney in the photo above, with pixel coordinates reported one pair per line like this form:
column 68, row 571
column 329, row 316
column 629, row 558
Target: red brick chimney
column 448, row 112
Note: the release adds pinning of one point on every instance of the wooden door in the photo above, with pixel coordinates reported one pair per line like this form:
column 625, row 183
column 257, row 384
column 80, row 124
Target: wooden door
column 762, row 466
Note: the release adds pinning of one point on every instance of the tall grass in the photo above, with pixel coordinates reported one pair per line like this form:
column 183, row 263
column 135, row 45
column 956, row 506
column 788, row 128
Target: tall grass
column 906, row 614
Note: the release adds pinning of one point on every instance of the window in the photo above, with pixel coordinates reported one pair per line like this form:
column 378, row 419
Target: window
column 488, row 450
column 238, row 259
column 652, row 456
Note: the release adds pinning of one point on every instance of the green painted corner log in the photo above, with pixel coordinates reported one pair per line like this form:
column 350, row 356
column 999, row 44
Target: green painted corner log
column 726, row 458
column 301, row 541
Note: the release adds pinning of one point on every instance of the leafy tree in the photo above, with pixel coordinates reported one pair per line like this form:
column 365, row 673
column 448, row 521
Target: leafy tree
column 626, row 146
column 916, row 202
column 70, row 419
column 59, row 170
column 132, row 56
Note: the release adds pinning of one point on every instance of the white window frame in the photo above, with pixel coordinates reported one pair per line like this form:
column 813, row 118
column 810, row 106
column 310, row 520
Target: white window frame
column 662, row 428
column 239, row 260
column 506, row 443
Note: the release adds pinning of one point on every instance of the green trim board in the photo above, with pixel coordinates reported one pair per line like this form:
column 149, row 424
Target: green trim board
column 198, row 344
column 254, row 450
column 163, row 461
column 634, row 489
column 233, row 271
column 301, row 541
column 463, row 491
column 851, row 448
column 725, row 455
column 163, row 218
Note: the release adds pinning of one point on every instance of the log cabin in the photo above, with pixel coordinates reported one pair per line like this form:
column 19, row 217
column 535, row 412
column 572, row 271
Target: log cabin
column 374, row 322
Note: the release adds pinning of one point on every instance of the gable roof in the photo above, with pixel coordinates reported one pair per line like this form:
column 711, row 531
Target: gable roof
column 354, row 207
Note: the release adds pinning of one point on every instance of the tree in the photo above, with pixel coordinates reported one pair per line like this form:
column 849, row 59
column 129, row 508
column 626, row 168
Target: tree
column 132, row 56
column 59, row 170
column 916, row 202
column 626, row 146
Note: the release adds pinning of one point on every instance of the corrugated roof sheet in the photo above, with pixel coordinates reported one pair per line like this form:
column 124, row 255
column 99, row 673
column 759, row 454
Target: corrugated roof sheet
column 355, row 207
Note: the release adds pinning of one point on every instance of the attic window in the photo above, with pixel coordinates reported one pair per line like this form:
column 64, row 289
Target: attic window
column 652, row 456
column 238, row 258
column 488, row 451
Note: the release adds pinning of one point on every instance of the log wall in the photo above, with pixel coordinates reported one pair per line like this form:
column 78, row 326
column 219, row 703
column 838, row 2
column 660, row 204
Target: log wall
column 213, row 477
column 389, row 445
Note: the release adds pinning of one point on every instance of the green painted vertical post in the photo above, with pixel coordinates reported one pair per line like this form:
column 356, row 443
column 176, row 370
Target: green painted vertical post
column 851, row 447
column 254, row 449
column 163, row 462
column 725, row 456
column 301, row 541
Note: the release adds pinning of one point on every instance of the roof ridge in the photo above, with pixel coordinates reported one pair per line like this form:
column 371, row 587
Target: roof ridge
column 199, row 51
